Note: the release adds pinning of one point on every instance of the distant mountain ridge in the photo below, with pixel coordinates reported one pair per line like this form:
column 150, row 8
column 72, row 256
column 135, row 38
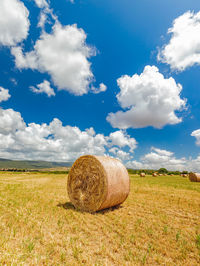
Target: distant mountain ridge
column 6, row 163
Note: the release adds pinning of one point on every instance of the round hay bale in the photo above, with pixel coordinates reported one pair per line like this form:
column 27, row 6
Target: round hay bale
column 142, row 174
column 97, row 182
column 154, row 174
column 194, row 177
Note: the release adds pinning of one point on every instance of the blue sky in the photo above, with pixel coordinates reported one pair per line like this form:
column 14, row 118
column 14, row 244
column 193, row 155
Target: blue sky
column 118, row 78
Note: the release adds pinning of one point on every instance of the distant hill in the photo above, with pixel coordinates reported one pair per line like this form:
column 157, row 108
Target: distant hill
column 5, row 163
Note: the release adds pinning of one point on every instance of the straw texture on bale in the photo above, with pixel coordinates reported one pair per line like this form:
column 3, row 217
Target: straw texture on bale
column 142, row 174
column 97, row 182
column 194, row 177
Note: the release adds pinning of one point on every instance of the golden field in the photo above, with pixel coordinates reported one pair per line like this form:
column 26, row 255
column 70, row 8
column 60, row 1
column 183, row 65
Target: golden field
column 159, row 223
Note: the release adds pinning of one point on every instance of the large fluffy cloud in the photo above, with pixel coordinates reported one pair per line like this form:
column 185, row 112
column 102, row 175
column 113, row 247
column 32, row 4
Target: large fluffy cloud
column 56, row 142
column 183, row 49
column 14, row 23
column 64, row 55
column 150, row 98
column 4, row 94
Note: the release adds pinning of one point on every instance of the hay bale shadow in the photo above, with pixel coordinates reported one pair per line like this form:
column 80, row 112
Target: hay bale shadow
column 69, row 206
column 111, row 209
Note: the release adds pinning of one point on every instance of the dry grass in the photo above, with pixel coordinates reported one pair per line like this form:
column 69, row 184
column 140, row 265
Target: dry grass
column 159, row 224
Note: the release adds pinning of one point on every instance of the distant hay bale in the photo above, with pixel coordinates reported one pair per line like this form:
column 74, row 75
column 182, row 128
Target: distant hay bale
column 184, row 175
column 154, row 174
column 194, row 177
column 142, row 174
column 97, row 182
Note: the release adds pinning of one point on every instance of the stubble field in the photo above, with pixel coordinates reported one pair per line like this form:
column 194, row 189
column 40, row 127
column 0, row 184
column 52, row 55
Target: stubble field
column 159, row 223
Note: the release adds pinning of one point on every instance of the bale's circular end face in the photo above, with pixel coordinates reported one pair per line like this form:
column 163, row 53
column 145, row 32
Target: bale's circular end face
column 97, row 182
column 87, row 184
column 194, row 177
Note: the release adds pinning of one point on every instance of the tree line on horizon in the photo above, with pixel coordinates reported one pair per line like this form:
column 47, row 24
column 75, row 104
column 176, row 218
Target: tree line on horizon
column 159, row 171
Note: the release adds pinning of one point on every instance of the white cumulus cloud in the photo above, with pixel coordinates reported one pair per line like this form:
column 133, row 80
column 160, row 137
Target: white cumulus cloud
column 122, row 139
column 134, row 165
column 162, row 152
column 63, row 54
column 150, row 99
column 102, row 88
column 4, row 94
column 10, row 122
column 42, row 3
column 196, row 134
column 44, row 87
column 46, row 14
column 14, row 22
column 120, row 154
column 54, row 141
column 158, row 158
column 183, row 49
